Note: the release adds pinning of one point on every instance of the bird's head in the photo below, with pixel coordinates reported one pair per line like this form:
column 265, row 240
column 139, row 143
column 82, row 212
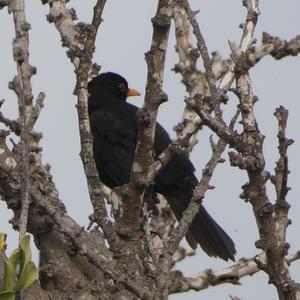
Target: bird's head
column 108, row 87
column 113, row 84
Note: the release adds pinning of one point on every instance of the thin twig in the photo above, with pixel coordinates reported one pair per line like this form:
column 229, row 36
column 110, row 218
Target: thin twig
column 68, row 31
column 181, row 253
column 245, row 43
column 39, row 104
column 178, row 146
column 203, row 50
column 13, row 125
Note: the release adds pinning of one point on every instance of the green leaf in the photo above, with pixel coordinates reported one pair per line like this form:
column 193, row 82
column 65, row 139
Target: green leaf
column 10, row 270
column 20, row 271
column 27, row 277
column 28, row 270
column 26, row 251
column 15, row 257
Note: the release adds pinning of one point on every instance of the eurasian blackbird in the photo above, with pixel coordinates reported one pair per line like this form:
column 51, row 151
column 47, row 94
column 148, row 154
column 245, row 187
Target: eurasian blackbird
column 114, row 127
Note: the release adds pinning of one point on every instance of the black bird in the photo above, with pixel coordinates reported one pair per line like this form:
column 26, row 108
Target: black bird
column 114, row 128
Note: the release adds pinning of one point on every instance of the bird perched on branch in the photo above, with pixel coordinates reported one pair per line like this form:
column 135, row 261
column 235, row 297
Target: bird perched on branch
column 114, row 126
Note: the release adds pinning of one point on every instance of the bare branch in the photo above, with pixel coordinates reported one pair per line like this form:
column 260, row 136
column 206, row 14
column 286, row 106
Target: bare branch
column 13, row 125
column 39, row 104
column 63, row 20
column 233, row 274
column 129, row 221
column 275, row 47
column 252, row 159
column 181, row 145
column 204, row 53
column 281, row 176
column 246, row 40
column 181, row 253
column 25, row 71
column 194, row 81
column 232, row 138
column 96, row 192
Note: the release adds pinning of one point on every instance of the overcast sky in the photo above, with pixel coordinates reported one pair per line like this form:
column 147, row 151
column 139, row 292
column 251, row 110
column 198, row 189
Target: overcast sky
column 123, row 38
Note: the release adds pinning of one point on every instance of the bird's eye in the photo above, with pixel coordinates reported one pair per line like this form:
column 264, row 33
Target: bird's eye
column 122, row 87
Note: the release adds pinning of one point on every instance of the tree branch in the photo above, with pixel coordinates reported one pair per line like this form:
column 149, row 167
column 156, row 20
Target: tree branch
column 13, row 125
column 280, row 179
column 194, row 81
column 246, row 40
column 25, row 71
column 63, row 20
column 275, row 47
column 100, row 215
column 129, row 222
column 255, row 191
column 207, row 62
column 37, row 108
column 233, row 274
column 181, row 253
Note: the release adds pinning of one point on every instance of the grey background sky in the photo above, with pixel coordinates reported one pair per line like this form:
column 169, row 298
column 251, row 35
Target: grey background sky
column 123, row 39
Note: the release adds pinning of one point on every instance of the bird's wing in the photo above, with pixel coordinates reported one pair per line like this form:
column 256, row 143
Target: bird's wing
column 177, row 177
column 114, row 146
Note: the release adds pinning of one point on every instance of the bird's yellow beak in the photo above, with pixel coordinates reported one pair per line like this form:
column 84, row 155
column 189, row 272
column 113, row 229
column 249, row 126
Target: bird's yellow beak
column 133, row 92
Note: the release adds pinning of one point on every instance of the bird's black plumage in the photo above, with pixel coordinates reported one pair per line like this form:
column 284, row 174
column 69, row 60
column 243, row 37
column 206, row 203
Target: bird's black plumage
column 114, row 128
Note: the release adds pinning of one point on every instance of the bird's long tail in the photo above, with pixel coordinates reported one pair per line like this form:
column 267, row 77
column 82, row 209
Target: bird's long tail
column 205, row 231
column 210, row 236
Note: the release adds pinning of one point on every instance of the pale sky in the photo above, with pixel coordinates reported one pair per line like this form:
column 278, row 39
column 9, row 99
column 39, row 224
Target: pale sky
column 123, row 38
